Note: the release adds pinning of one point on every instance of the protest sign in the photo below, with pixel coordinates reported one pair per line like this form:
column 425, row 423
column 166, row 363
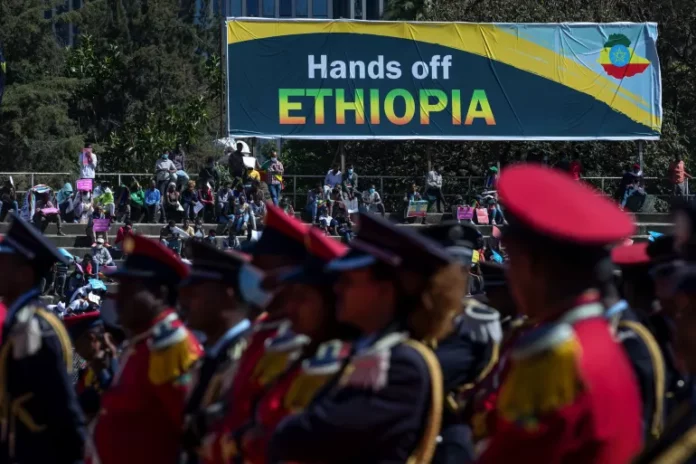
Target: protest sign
column 84, row 185
column 417, row 208
column 101, row 225
column 49, row 211
column 465, row 213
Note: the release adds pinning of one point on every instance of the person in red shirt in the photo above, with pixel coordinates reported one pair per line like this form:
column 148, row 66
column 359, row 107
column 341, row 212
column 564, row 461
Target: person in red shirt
column 575, row 168
column 205, row 196
column 569, row 394
column 142, row 412
column 126, row 230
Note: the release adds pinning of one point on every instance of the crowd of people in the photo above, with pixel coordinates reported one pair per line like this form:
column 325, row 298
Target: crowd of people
column 402, row 346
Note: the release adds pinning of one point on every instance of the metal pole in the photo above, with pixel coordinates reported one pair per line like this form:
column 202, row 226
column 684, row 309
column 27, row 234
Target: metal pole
column 223, row 71
column 641, row 144
column 294, row 189
column 342, row 151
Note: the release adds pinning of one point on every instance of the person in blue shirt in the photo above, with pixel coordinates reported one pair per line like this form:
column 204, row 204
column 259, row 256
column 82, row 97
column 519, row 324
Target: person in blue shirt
column 153, row 199
column 43, row 418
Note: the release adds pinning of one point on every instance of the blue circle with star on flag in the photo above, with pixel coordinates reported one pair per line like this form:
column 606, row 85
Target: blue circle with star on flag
column 619, row 55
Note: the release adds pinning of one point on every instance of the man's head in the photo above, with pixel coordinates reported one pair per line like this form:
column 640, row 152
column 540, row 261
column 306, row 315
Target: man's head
column 678, row 157
column 350, row 169
column 240, row 146
column 210, row 161
column 372, row 188
column 153, row 184
column 171, row 223
column 274, row 154
column 88, row 147
column 165, row 155
column 335, row 168
column 187, row 223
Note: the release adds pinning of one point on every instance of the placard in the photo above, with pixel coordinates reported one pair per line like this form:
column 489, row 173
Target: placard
column 482, row 216
column 417, row 208
column 84, row 185
column 101, row 225
column 49, row 211
column 465, row 213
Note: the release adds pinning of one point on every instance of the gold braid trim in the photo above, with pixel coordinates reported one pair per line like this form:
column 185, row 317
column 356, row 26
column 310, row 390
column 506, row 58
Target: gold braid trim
column 657, row 361
column 680, row 451
column 61, row 333
column 423, row 453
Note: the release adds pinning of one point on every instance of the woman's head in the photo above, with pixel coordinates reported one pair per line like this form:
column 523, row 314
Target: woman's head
column 191, row 185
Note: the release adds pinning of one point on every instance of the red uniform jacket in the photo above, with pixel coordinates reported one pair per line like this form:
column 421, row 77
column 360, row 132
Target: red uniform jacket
column 601, row 426
column 142, row 412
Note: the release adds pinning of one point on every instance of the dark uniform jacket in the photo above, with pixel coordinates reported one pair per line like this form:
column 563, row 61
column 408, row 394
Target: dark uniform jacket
column 41, row 417
column 378, row 410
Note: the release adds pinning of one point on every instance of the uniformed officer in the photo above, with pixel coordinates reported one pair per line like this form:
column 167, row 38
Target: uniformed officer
column 93, row 344
column 631, row 323
column 570, row 394
column 40, row 415
column 386, row 406
column 311, row 312
column 142, row 413
column 468, row 353
column 677, row 445
column 216, row 305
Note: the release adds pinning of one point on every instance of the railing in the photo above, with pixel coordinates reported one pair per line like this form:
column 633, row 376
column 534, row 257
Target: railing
column 391, row 188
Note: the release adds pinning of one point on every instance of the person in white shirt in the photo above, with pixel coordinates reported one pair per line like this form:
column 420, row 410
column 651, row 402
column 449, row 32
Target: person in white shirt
column 88, row 163
column 373, row 201
column 165, row 172
column 333, row 178
column 433, row 191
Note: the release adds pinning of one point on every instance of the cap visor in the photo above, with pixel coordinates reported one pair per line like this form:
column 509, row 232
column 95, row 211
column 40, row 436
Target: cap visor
column 124, row 273
column 351, row 262
column 196, row 277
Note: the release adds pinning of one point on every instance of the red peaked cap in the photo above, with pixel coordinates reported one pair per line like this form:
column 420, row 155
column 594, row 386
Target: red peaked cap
column 550, row 203
column 322, row 247
column 630, row 255
column 77, row 324
column 149, row 259
column 282, row 235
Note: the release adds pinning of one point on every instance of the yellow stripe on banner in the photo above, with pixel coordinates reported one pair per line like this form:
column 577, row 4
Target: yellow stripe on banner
column 487, row 40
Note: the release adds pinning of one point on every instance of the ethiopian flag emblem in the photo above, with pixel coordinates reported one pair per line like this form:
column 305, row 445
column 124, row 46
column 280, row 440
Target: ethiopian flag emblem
column 619, row 60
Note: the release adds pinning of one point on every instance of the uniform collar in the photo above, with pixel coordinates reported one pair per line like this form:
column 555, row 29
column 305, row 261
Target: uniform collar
column 232, row 333
column 617, row 308
column 19, row 304
column 582, row 312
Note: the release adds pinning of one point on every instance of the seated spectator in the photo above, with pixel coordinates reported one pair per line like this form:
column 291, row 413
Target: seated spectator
column 333, row 179
column 212, row 238
column 326, row 222
column 633, row 184
column 8, row 196
column 372, row 200
column 339, row 211
column 123, row 209
column 224, row 201
column 97, row 214
column 81, row 207
column 165, row 172
column 241, row 216
column 189, row 198
column 252, row 182
column 232, row 241
column 209, row 174
column 315, row 198
column 286, row 206
column 179, row 160
column 170, row 237
column 198, row 229
column 64, row 198
column 274, row 170
column 42, row 216
column 124, row 231
column 258, row 212
column 188, row 228
column 153, row 204
column 137, row 202
column 61, row 278
column 495, row 214
column 350, row 180
column 102, row 257
column 104, row 197
column 172, row 207
column 205, row 196
column 89, row 267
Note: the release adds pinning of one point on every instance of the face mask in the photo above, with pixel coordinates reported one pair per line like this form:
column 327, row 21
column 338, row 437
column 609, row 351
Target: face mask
column 350, row 171
column 99, row 247
column 274, row 159
column 165, row 156
column 372, row 190
column 250, row 279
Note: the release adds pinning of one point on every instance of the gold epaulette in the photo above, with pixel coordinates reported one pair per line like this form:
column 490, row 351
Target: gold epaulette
column 171, row 362
column 544, row 375
column 658, row 365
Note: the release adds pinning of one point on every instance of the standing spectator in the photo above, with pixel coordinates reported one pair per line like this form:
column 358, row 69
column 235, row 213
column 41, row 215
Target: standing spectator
column 88, row 163
column 101, row 255
column 205, row 196
column 350, row 180
column 224, row 201
column 172, row 207
column 137, row 202
column 61, row 277
column 236, row 162
column 315, row 198
column 678, row 176
column 189, row 198
column 433, row 190
column 373, row 201
column 153, row 200
column 126, row 230
column 209, row 174
column 42, row 218
column 275, row 177
column 333, row 179
column 575, row 168
column 182, row 177
column 492, row 178
column 632, row 183
column 165, row 172
column 8, row 196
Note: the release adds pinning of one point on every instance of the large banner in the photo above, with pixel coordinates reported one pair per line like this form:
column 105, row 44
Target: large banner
column 326, row 79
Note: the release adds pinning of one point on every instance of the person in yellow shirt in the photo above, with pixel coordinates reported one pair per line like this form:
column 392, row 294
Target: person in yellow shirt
column 252, row 182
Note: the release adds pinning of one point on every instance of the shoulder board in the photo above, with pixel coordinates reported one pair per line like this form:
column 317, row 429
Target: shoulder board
column 62, row 334
column 544, row 374
column 328, row 359
column 481, row 323
column 286, row 341
column 173, row 361
column 369, row 369
column 262, row 323
column 625, row 334
column 25, row 332
column 166, row 333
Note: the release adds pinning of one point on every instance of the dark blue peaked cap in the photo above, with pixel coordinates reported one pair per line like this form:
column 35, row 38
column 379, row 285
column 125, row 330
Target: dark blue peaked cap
column 379, row 240
column 211, row 264
column 25, row 240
